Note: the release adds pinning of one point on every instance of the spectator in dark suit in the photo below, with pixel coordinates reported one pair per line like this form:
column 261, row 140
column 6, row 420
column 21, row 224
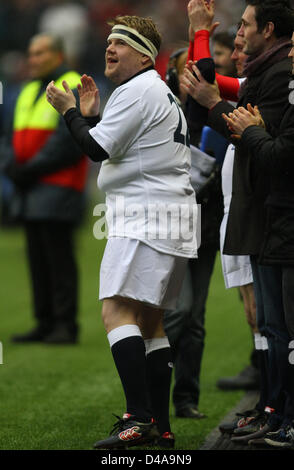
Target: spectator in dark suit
column 275, row 152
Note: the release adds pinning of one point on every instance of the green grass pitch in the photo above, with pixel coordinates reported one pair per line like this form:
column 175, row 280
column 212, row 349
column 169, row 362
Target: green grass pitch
column 63, row 397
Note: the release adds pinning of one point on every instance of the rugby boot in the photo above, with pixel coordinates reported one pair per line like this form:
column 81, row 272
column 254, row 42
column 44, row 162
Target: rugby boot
column 128, row 432
column 166, row 440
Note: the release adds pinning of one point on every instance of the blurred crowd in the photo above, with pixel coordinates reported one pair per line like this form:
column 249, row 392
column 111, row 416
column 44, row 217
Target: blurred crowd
column 82, row 24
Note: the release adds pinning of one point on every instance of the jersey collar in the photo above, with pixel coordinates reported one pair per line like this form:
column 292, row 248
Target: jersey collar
column 139, row 73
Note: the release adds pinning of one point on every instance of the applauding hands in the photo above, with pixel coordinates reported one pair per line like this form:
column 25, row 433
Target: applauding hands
column 201, row 15
column 242, row 118
column 194, row 84
column 62, row 101
column 89, row 97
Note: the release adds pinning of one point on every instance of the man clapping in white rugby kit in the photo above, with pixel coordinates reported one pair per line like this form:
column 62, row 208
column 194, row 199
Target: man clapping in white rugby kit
column 143, row 142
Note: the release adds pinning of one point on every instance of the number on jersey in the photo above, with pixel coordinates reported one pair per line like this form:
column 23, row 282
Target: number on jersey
column 178, row 136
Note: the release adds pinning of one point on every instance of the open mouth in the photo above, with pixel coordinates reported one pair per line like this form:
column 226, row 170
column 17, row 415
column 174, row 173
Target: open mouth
column 111, row 60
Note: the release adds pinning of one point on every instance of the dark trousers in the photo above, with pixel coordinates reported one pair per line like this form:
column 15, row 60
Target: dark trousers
column 53, row 273
column 185, row 328
column 288, row 298
column 273, row 286
column 288, row 301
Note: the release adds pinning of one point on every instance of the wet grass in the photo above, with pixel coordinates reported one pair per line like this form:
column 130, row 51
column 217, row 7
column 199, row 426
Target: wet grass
column 63, row 397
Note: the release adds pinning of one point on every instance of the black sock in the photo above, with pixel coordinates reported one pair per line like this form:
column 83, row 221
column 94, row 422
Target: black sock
column 159, row 372
column 130, row 360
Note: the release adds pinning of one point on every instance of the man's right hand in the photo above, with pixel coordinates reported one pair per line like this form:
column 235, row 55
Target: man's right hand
column 194, row 84
column 89, row 97
column 201, row 14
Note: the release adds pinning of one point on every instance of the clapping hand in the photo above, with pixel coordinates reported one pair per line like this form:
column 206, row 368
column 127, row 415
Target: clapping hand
column 201, row 14
column 242, row 118
column 62, row 101
column 89, row 97
column 194, row 84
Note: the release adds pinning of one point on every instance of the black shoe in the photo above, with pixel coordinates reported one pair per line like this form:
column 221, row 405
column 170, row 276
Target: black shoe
column 247, row 379
column 128, row 432
column 36, row 335
column 242, row 420
column 262, row 426
column 262, row 432
column 253, row 426
column 189, row 412
column 166, row 440
column 61, row 335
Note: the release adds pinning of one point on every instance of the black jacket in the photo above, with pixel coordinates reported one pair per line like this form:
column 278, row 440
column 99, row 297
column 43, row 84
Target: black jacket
column 275, row 153
column 267, row 88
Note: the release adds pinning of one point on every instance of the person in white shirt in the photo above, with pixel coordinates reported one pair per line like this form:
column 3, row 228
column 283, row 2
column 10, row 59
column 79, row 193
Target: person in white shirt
column 151, row 214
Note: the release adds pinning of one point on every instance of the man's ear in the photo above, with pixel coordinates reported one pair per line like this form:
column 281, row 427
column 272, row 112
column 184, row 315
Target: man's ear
column 145, row 59
column 269, row 30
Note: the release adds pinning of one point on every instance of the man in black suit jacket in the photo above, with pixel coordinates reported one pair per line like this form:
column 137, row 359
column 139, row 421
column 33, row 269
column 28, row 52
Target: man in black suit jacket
column 267, row 28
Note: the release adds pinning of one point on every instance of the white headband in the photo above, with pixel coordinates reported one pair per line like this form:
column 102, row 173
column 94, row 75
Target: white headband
column 135, row 40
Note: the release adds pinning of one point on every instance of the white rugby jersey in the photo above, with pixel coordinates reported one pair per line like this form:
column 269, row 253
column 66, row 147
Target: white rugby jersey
column 147, row 178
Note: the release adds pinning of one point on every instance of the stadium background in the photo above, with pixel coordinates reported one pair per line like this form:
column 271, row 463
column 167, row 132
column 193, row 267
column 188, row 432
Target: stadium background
column 64, row 397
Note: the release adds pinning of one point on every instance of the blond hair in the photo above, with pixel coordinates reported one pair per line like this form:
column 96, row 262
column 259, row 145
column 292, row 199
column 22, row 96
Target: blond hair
column 144, row 26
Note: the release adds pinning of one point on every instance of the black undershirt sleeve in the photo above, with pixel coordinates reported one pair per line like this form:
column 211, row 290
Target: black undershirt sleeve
column 92, row 120
column 79, row 128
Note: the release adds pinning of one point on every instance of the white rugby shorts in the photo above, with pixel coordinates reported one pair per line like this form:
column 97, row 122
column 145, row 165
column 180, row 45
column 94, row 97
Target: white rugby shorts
column 132, row 269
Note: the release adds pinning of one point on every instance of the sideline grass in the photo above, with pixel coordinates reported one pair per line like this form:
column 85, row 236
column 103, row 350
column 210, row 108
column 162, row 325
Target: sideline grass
column 63, row 397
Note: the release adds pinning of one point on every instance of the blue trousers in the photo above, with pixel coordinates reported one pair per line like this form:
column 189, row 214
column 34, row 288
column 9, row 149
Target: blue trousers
column 273, row 287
